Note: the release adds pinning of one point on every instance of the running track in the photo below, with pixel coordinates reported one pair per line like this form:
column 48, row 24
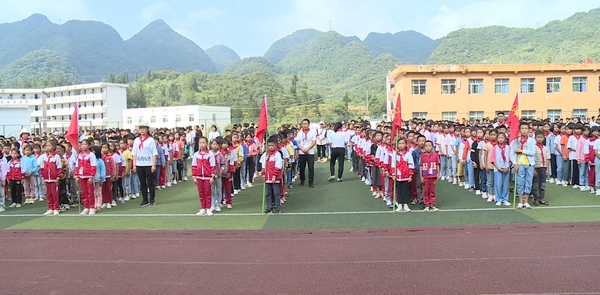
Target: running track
column 506, row 259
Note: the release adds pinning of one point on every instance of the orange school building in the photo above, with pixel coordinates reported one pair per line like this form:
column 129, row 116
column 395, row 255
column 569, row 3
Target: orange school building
column 451, row 92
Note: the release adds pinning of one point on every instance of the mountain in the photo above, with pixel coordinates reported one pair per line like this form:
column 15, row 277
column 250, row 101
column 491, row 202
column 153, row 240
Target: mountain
column 39, row 63
column 571, row 40
column 158, row 46
column 222, row 56
column 407, row 46
column 251, row 64
column 284, row 46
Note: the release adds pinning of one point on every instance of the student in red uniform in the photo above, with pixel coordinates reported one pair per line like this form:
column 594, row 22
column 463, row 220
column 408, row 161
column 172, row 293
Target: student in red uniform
column 403, row 170
column 272, row 165
column 85, row 172
column 107, row 186
column 15, row 177
column 51, row 172
column 203, row 171
column 430, row 163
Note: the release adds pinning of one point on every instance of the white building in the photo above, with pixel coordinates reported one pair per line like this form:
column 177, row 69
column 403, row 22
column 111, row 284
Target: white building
column 180, row 116
column 100, row 105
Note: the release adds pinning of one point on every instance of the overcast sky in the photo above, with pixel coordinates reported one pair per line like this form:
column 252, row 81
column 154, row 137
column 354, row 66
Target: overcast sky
column 250, row 27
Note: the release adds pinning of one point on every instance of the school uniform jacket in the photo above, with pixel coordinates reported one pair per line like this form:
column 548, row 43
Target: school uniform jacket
column 203, row 165
column 50, row 167
column 528, row 150
column 272, row 164
column 86, row 165
column 15, row 170
column 109, row 163
column 403, row 165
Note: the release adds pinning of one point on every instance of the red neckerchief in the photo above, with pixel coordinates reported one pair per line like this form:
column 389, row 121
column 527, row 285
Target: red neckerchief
column 494, row 143
column 546, row 134
column 592, row 139
column 142, row 139
column 69, row 155
column 577, row 136
column 305, row 134
column 555, row 133
column 502, row 152
column 541, row 147
column 523, row 141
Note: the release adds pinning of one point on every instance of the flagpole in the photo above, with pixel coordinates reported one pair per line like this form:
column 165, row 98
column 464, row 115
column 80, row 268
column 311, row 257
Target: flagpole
column 264, row 192
column 394, row 196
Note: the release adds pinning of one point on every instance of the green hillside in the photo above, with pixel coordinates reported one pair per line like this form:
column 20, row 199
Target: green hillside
column 567, row 41
column 50, row 68
column 222, row 56
column 407, row 46
column 284, row 46
column 251, row 64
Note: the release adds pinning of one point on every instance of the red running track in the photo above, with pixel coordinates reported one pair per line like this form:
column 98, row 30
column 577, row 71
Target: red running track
column 505, row 259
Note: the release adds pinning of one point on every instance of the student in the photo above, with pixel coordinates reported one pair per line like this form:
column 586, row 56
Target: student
column 417, row 181
column 375, row 173
column 522, row 154
column 272, row 165
column 429, row 176
column 566, row 155
column 227, row 175
column 117, row 180
column 110, row 175
column 321, row 142
column 306, row 139
column 489, row 167
column 15, row 178
column 176, row 153
column 86, row 170
column 40, row 188
column 596, row 155
column 30, row 167
column 144, row 160
column 403, row 170
column 161, row 162
column 558, row 148
column 502, row 163
column 581, row 162
column 51, row 171
column 589, row 158
column 3, row 172
column 550, row 135
column 71, row 157
column 99, row 178
column 542, row 167
column 440, row 141
column 476, row 158
column 63, row 195
column 220, row 168
column 203, row 171
column 250, row 160
column 238, row 150
column 337, row 145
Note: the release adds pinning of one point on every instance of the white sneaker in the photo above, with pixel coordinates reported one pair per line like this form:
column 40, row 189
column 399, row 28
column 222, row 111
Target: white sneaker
column 331, row 178
column 18, row 205
column 587, row 188
column 2, row 209
column 48, row 213
column 443, row 178
column 351, row 169
column 506, row 203
column 202, row 212
column 185, row 178
column 551, row 180
column 103, row 206
column 478, row 192
column 592, row 190
column 108, row 206
column 363, row 179
column 168, row 184
column 113, row 203
column 13, row 205
column 56, row 212
column 163, row 187
column 217, row 209
column 455, row 182
column 406, row 208
column 248, row 184
column 527, row 206
column 575, row 186
column 582, row 188
column 598, row 192
column 466, row 186
column 229, row 206
column 174, row 183
column 85, row 212
column 520, row 206
column 565, row 183
column 498, row 203
column 399, row 209
column 490, row 198
column 92, row 212
column 209, row 213
column 484, row 195
column 127, row 198
column 137, row 196
column 367, row 182
column 374, row 194
column 212, row 208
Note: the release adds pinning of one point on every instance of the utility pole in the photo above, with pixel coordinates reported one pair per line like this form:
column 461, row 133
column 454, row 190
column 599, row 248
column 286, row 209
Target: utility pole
column 367, row 102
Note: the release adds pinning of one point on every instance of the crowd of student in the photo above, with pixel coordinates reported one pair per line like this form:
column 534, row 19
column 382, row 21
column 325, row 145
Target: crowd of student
column 114, row 167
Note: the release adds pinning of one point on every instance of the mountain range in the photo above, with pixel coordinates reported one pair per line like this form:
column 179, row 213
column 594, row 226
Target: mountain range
column 328, row 61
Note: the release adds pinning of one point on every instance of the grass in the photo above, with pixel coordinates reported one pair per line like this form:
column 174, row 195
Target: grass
column 329, row 205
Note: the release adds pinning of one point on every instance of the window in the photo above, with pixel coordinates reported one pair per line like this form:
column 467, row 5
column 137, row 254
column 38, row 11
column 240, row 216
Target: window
column 101, row 103
column 419, row 87
column 93, row 116
column 177, row 117
column 152, row 119
column 129, row 121
column 527, row 85
column 528, row 114
column 141, row 120
column 191, row 118
column 214, row 117
column 554, row 114
column 579, row 84
column 449, row 116
column 84, row 91
column 101, row 90
column 580, row 113
column 475, row 115
column 92, row 91
column 553, row 85
column 93, row 103
column 165, row 118
column 85, row 117
column 475, row 86
column 419, row 115
column 448, row 86
column 36, row 108
column 102, row 116
column 502, row 86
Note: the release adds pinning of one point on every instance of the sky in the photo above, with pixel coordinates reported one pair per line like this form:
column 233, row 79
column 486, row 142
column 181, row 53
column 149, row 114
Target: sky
column 250, row 27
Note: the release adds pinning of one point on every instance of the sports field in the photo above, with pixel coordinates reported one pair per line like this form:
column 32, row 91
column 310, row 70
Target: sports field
column 329, row 205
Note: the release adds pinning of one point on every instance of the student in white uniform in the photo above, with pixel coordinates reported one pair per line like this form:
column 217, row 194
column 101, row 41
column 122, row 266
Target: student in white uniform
column 144, row 160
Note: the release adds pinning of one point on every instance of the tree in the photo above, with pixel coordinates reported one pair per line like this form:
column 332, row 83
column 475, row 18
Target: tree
column 136, row 97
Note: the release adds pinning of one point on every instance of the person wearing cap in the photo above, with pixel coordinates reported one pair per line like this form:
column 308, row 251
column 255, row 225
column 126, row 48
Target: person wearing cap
column 23, row 138
column 321, row 142
column 144, row 155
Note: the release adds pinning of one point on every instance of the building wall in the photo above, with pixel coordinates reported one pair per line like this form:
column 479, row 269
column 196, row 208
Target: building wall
column 100, row 104
column 539, row 104
column 182, row 116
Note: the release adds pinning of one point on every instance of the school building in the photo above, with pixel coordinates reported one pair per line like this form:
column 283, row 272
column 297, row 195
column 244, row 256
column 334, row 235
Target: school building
column 100, row 105
column 178, row 116
column 451, row 92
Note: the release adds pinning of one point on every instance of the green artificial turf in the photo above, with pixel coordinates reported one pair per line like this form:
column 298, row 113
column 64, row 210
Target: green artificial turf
column 329, row 205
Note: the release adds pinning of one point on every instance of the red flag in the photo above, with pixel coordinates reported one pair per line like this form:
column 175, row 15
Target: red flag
column 397, row 122
column 513, row 119
column 263, row 122
column 73, row 132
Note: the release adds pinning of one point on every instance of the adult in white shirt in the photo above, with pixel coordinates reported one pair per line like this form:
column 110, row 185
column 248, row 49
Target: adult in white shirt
column 213, row 133
column 144, row 155
column 306, row 139
column 321, row 142
column 337, row 144
column 501, row 120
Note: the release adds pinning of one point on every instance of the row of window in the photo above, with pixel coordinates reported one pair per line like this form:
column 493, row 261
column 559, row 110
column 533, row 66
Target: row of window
column 526, row 114
column 553, row 85
column 72, row 105
column 61, row 94
column 68, row 118
column 166, row 119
